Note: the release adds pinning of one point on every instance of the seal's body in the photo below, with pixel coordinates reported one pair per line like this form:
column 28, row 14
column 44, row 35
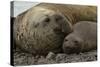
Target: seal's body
column 42, row 28
column 73, row 13
column 83, row 38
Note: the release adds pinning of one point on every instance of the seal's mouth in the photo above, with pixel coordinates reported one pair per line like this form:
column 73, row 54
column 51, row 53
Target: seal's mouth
column 58, row 31
column 70, row 50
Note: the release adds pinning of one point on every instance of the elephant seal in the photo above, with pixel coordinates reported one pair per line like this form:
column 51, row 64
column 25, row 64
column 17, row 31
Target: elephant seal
column 42, row 28
column 82, row 39
column 40, row 31
column 73, row 13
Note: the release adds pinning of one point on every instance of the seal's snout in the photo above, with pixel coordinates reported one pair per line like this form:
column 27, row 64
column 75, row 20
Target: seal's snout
column 70, row 50
column 70, row 47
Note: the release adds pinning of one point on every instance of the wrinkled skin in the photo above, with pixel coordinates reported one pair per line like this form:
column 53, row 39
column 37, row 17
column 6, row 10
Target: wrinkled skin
column 40, row 31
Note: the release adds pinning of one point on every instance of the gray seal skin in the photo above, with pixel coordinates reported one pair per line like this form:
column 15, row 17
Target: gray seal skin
column 42, row 28
column 39, row 31
column 82, row 39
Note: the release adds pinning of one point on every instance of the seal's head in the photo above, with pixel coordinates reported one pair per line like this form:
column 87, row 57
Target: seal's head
column 72, row 44
column 46, row 19
column 42, row 30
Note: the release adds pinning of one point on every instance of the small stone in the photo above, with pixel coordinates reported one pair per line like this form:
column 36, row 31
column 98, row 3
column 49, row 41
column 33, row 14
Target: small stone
column 60, row 57
column 37, row 57
column 50, row 55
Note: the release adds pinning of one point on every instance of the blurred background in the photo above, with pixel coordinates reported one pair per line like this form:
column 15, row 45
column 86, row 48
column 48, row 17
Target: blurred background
column 21, row 6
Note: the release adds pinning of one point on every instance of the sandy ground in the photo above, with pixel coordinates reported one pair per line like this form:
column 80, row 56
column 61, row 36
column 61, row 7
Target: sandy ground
column 22, row 58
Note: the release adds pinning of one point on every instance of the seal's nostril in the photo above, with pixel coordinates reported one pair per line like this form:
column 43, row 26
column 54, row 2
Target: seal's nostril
column 68, row 48
column 36, row 25
column 66, row 40
column 57, row 30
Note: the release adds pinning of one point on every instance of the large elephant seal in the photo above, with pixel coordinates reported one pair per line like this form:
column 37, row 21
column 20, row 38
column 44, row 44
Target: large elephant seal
column 42, row 28
column 83, row 38
column 73, row 13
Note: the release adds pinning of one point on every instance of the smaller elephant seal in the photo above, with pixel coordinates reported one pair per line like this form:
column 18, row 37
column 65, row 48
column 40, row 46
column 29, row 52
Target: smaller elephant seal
column 82, row 39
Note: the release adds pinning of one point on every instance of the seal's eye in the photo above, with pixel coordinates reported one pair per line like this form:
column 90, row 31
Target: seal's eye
column 75, row 41
column 46, row 20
